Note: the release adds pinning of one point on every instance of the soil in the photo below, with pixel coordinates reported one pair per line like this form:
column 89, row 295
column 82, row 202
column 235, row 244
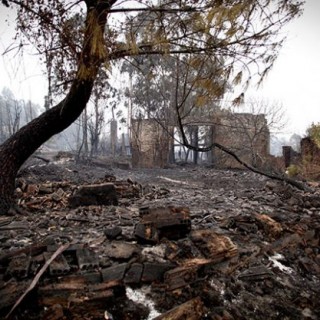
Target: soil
column 271, row 269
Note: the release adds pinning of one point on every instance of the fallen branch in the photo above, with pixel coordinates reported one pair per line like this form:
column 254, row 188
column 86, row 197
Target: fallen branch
column 297, row 184
column 38, row 275
column 41, row 158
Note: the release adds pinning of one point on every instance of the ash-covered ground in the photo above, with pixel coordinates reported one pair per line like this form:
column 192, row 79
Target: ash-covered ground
column 252, row 251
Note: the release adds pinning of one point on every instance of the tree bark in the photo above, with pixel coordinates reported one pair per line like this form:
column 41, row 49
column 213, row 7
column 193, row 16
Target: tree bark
column 17, row 149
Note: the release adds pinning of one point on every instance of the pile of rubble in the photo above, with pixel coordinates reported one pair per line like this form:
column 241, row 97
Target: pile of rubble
column 182, row 243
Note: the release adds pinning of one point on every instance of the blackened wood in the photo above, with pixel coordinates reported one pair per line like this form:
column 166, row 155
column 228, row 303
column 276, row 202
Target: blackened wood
column 180, row 277
column 98, row 194
column 154, row 271
column 20, row 146
column 191, row 310
column 127, row 190
column 64, row 287
column 214, row 246
column 257, row 273
column 146, row 233
column 31, row 250
column 168, row 222
column 76, row 293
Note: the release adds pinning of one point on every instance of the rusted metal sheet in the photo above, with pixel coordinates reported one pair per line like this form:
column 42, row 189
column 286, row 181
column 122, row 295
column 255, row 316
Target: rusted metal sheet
column 96, row 194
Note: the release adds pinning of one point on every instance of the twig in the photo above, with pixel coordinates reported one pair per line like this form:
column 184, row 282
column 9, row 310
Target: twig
column 38, row 275
column 297, row 184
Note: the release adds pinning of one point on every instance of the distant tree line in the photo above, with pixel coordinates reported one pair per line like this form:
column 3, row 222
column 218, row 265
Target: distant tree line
column 14, row 113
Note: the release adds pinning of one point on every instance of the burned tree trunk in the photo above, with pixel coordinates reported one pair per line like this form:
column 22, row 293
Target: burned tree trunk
column 16, row 150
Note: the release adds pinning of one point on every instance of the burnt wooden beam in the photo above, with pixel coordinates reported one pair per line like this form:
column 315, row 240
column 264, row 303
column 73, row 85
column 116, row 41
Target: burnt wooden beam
column 157, row 223
column 191, row 310
column 96, row 194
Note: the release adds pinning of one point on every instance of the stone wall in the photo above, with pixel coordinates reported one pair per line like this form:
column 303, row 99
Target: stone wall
column 245, row 134
column 150, row 144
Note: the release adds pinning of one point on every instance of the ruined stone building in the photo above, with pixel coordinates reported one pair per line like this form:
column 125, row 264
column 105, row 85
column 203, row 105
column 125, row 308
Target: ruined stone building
column 150, row 144
column 246, row 134
column 307, row 160
column 157, row 145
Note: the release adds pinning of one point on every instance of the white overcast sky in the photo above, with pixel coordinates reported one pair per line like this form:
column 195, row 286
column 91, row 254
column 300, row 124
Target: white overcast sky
column 294, row 80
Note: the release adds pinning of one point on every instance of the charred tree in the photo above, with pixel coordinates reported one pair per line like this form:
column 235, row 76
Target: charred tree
column 19, row 147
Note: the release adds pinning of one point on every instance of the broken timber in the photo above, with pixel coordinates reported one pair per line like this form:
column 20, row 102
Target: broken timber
column 104, row 193
column 157, row 223
column 75, row 278
column 96, row 194
column 191, row 310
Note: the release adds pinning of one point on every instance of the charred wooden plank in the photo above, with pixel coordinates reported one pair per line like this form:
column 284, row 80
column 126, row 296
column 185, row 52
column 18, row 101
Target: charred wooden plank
column 77, row 288
column 128, row 190
column 90, row 296
column 191, row 310
column 256, row 274
column 169, row 222
column 213, row 246
column 63, row 294
column 97, row 194
column 79, row 279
